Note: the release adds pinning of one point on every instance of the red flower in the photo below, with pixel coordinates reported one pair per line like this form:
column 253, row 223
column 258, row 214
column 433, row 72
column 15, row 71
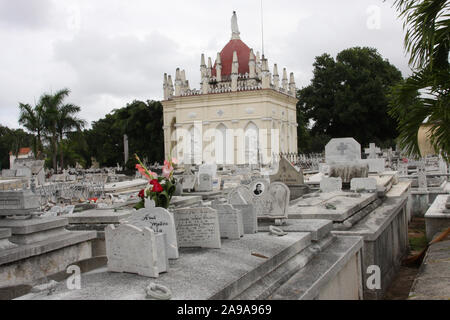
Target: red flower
column 141, row 194
column 157, row 187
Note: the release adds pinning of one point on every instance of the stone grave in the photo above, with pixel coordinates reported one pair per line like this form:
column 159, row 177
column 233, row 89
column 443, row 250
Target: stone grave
column 188, row 182
column 205, row 183
column 39, row 241
column 372, row 152
column 340, row 150
column 437, row 217
column 159, row 220
column 291, row 177
column 330, row 184
column 210, row 169
column 363, row 184
column 134, row 250
column 230, row 221
column 270, row 200
column 197, row 227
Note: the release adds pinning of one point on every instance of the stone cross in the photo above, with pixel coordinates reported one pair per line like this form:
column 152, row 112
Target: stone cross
column 372, row 151
column 342, row 147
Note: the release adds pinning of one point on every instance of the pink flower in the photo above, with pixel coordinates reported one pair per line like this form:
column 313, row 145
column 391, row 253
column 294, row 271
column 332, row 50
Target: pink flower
column 167, row 169
column 146, row 173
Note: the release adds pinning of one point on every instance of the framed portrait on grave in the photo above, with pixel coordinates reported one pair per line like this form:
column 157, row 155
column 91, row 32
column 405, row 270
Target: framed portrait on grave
column 258, row 189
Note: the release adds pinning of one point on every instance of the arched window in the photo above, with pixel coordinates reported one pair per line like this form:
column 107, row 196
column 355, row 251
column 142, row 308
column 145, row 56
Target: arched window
column 221, row 144
column 251, row 143
column 194, row 147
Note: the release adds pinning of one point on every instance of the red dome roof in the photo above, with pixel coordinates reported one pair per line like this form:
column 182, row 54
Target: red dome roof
column 226, row 56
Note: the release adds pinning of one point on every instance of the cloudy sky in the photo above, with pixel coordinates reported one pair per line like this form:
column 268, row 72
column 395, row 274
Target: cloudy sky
column 109, row 52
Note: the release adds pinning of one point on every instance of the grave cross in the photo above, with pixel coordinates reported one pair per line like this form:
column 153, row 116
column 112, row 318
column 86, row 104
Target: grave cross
column 372, row 151
column 342, row 147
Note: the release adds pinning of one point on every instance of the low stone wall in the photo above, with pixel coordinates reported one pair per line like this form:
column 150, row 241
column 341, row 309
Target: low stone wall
column 385, row 233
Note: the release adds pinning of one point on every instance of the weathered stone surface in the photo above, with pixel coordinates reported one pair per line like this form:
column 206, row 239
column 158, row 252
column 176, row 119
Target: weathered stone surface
column 230, row 221
column 159, row 220
column 331, row 206
column 437, row 217
column 340, row 150
column 63, row 241
column 249, row 217
column 330, row 184
column 318, row 228
column 197, row 227
column 198, row 274
column 287, row 174
column 23, row 202
column 110, row 216
column 363, row 184
column 205, row 183
column 134, row 250
column 349, row 171
column 269, row 200
column 432, row 281
column 375, row 165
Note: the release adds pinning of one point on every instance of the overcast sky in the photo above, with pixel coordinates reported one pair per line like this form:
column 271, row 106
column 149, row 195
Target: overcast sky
column 110, row 52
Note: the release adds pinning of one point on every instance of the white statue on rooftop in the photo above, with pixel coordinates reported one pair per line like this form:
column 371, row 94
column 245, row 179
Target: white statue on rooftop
column 234, row 27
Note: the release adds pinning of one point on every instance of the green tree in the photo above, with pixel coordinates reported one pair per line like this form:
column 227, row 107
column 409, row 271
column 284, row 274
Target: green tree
column 427, row 40
column 11, row 140
column 141, row 121
column 32, row 119
column 59, row 118
column 347, row 97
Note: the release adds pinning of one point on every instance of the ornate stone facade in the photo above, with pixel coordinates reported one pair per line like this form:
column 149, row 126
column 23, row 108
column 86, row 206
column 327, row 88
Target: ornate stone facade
column 241, row 114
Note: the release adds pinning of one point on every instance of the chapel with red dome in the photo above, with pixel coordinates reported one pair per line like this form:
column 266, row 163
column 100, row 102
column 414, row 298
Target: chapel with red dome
column 237, row 92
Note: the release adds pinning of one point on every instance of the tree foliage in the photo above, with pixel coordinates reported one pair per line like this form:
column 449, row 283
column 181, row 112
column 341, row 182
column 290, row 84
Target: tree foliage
column 141, row 121
column 347, row 97
column 11, row 140
column 427, row 40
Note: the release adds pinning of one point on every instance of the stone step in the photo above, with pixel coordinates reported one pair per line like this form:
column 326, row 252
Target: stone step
column 308, row 283
column 265, row 286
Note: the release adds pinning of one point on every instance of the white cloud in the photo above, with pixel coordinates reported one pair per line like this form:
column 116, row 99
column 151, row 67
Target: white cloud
column 109, row 52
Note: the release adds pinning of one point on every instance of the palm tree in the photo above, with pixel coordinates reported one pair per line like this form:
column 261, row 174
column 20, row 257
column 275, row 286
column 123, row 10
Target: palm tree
column 67, row 122
column 31, row 119
column 425, row 96
column 59, row 119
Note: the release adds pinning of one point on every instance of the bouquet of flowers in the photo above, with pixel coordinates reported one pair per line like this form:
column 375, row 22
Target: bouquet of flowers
column 160, row 189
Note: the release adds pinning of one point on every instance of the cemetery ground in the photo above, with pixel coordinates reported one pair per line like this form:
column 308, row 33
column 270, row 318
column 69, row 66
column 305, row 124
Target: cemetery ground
column 286, row 231
column 401, row 285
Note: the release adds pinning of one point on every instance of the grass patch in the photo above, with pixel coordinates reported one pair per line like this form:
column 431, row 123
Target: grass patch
column 418, row 243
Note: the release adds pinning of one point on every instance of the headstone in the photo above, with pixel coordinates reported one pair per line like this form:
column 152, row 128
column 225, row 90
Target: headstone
column 375, row 165
column 422, row 177
column 197, row 227
column 340, row 150
column 363, row 184
column 330, row 184
column 287, row 174
column 402, row 168
column 159, row 220
column 23, row 172
column 189, row 182
column 134, row 250
column 372, row 151
column 230, row 221
column 269, row 200
column 210, row 169
column 23, row 202
column 249, row 217
column 205, row 183
column 8, row 173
